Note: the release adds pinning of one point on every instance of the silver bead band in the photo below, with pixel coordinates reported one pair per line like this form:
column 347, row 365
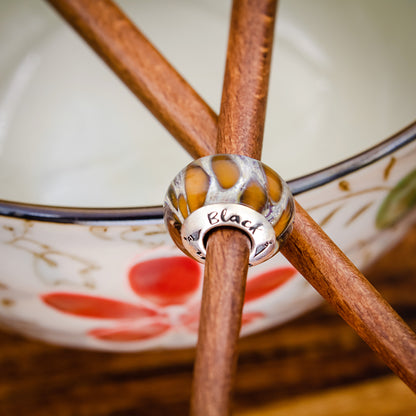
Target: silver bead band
column 195, row 228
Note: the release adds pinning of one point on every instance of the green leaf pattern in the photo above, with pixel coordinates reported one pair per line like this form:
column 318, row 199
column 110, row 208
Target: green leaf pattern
column 399, row 202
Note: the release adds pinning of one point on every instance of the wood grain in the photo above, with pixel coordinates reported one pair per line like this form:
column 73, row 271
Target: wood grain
column 144, row 70
column 240, row 131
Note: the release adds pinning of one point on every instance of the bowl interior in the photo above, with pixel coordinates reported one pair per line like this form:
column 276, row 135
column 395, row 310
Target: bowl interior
column 72, row 135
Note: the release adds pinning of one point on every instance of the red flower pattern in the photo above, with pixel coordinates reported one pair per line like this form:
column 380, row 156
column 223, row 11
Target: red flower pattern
column 163, row 283
column 95, row 307
column 131, row 333
column 166, row 281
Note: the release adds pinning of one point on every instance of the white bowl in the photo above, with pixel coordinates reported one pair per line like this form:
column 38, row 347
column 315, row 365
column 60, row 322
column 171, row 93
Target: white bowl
column 71, row 135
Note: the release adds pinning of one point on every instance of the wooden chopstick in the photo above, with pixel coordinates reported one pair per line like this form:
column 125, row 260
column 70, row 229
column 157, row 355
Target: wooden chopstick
column 246, row 78
column 220, row 320
column 106, row 29
column 240, row 131
column 336, row 278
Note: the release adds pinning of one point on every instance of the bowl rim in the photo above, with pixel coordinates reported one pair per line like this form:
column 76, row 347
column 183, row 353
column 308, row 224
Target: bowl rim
column 125, row 216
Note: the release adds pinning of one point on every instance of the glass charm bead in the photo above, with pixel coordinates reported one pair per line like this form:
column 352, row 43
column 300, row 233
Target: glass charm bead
column 232, row 191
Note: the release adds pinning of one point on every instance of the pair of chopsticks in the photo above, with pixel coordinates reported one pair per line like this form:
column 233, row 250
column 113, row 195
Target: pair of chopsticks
column 239, row 129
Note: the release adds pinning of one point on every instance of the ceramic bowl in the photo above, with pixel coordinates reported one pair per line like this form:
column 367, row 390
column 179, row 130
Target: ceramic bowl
column 107, row 276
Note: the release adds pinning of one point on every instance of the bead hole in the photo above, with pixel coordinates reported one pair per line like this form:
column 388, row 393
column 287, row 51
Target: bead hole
column 209, row 232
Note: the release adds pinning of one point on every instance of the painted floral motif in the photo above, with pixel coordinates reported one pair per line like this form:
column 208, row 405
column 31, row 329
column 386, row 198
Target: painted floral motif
column 51, row 266
column 166, row 282
column 151, row 235
column 400, row 200
column 5, row 301
column 353, row 211
column 167, row 300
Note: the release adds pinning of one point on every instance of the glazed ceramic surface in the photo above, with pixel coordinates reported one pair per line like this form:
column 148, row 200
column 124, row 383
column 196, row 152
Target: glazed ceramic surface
column 127, row 287
column 112, row 279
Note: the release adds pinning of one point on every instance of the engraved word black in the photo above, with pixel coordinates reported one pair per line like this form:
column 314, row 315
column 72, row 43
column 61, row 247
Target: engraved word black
column 216, row 217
